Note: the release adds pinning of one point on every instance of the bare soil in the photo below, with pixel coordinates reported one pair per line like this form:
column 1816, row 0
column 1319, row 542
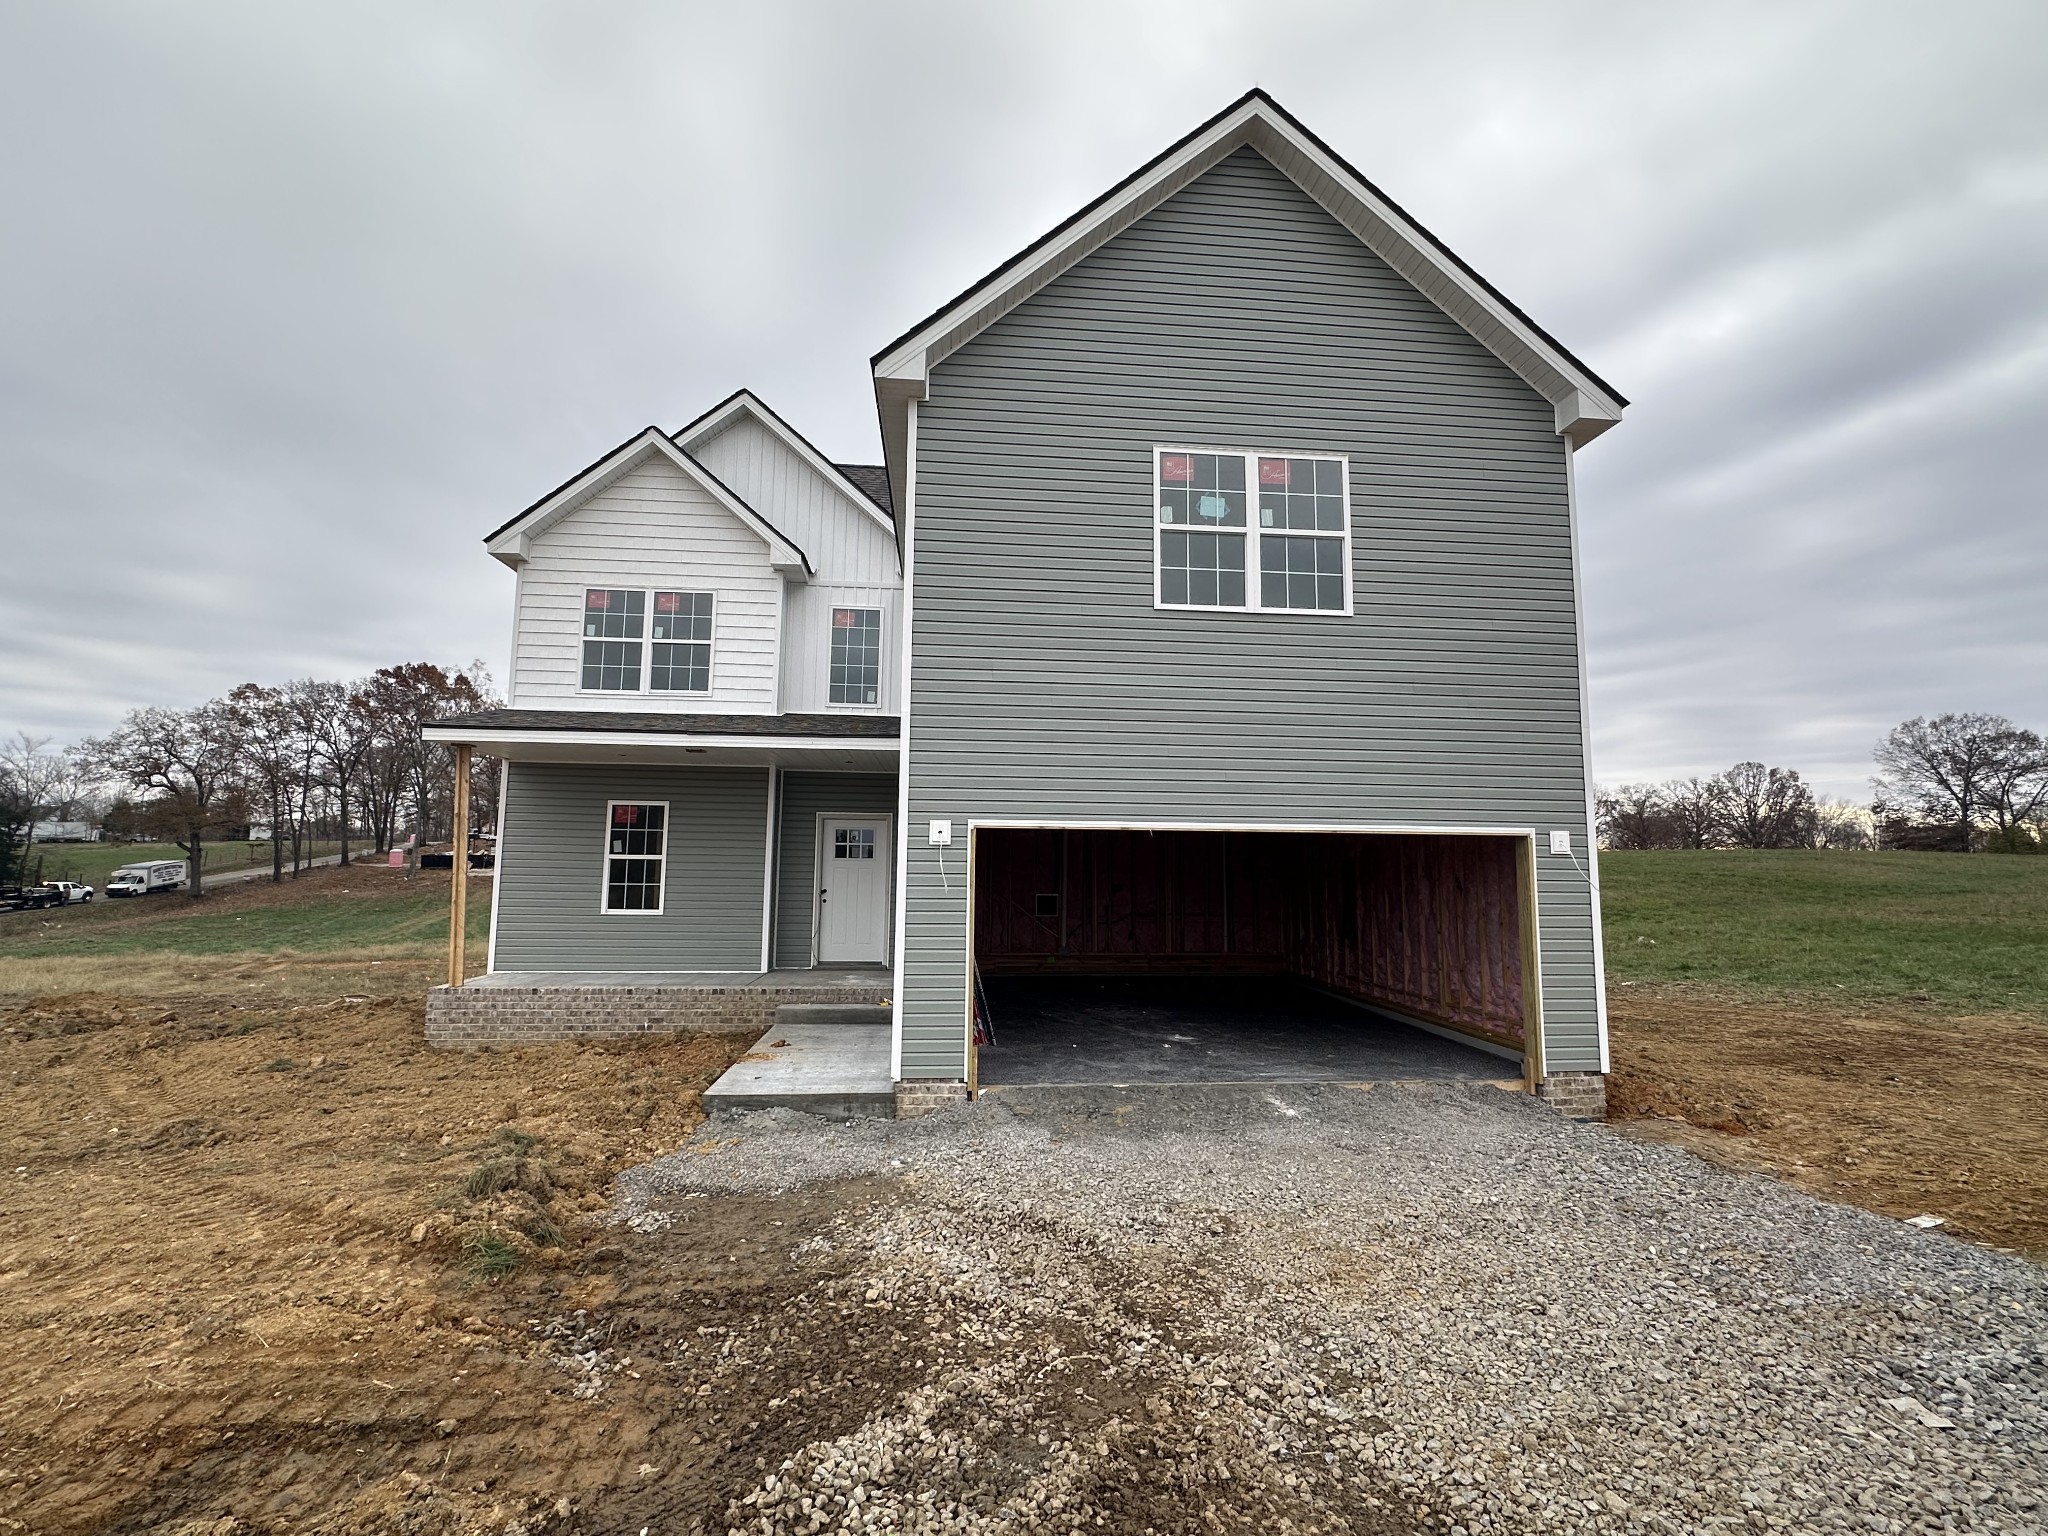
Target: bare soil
column 1904, row 1109
column 241, row 1282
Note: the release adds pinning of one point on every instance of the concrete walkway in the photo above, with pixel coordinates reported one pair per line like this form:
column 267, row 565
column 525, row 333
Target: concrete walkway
column 822, row 1058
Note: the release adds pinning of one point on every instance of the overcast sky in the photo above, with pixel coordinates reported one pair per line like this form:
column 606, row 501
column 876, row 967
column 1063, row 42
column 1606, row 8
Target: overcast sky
column 296, row 302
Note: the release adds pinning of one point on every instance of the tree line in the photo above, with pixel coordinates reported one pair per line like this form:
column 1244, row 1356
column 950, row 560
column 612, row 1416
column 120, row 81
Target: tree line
column 306, row 762
column 1958, row 783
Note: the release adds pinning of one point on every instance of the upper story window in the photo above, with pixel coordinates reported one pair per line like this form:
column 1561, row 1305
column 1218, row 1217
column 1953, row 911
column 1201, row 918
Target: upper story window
column 621, row 648
column 856, row 655
column 1209, row 553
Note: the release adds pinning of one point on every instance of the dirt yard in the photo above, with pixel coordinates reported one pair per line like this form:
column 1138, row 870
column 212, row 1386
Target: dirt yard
column 245, row 1281
column 1906, row 1109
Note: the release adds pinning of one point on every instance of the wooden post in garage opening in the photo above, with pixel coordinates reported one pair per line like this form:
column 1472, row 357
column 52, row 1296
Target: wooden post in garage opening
column 458, row 872
column 1532, row 966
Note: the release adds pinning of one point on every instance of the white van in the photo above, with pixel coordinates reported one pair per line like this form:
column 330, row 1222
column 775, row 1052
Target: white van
column 142, row 879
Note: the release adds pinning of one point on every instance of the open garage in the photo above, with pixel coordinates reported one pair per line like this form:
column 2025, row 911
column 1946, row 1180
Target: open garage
column 1134, row 955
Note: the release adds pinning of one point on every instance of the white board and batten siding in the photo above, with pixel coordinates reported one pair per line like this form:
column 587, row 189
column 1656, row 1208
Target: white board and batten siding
column 851, row 548
column 654, row 529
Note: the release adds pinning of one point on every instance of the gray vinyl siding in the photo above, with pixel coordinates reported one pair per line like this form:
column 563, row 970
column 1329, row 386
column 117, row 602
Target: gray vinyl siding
column 805, row 797
column 1044, row 684
column 551, row 867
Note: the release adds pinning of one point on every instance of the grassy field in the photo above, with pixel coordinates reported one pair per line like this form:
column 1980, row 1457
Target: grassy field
column 363, row 929
column 91, row 863
column 1963, row 932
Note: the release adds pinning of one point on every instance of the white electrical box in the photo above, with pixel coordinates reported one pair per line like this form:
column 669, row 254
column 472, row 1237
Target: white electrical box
column 1560, row 842
column 942, row 834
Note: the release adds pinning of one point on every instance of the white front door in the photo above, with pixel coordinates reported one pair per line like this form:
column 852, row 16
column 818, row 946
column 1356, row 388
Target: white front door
column 853, row 889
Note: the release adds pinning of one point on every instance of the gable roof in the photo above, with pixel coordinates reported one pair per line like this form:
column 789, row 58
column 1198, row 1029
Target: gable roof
column 1584, row 403
column 744, row 402
column 510, row 540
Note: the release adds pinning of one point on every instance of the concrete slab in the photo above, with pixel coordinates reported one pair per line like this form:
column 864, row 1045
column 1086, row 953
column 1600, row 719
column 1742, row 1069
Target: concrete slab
column 1155, row 1030
column 839, row 1070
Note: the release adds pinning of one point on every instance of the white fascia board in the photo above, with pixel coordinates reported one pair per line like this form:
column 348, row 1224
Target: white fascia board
column 1584, row 408
column 747, row 403
column 512, row 545
column 456, row 735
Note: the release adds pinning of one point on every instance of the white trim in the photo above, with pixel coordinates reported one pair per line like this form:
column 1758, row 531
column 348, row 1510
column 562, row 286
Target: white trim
column 510, row 543
column 1379, row 829
column 773, row 820
column 1583, row 408
column 484, row 738
column 1253, row 532
column 1571, row 502
column 497, row 864
column 887, row 840
column 881, row 614
column 906, row 532
column 604, row 865
column 518, row 608
column 753, row 405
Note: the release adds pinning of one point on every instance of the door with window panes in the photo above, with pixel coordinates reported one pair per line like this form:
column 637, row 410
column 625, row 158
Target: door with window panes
column 853, row 890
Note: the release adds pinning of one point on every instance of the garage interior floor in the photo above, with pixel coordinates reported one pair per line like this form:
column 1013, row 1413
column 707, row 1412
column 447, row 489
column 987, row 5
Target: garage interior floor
column 1077, row 1030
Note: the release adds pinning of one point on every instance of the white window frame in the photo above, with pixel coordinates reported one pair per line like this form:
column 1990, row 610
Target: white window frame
column 647, row 690
column 1254, row 582
column 604, row 863
column 881, row 660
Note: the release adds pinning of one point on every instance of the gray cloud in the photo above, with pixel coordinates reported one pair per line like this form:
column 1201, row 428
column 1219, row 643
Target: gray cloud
column 295, row 304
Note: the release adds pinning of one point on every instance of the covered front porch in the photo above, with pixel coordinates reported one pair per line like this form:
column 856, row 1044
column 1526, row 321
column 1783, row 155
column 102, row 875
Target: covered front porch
column 674, row 872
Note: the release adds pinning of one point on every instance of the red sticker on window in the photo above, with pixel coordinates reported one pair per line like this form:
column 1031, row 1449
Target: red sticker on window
column 595, row 598
column 1273, row 472
column 842, row 618
column 1176, row 466
column 668, row 602
column 625, row 815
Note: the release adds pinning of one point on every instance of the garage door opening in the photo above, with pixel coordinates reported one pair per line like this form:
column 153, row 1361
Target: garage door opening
column 1114, row 955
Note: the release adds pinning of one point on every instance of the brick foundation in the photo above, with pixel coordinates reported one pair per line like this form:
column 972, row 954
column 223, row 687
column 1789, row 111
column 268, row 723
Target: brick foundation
column 916, row 1096
column 1576, row 1095
column 467, row 1018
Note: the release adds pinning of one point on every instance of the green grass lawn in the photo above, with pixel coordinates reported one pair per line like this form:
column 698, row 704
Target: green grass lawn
column 91, row 863
column 380, row 913
column 1962, row 931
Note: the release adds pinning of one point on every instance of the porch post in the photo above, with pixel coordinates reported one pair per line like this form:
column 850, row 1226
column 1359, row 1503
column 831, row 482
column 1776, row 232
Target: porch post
column 458, row 892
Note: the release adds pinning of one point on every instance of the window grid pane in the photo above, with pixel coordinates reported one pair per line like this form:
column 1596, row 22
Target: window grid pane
column 1297, row 572
column 1202, row 569
column 612, row 665
column 856, row 655
column 853, row 842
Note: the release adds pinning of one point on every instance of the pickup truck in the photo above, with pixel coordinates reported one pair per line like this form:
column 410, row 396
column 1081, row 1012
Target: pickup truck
column 29, row 898
column 72, row 890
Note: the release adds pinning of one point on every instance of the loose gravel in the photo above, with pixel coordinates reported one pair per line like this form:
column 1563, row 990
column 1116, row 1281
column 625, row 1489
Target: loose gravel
column 1435, row 1308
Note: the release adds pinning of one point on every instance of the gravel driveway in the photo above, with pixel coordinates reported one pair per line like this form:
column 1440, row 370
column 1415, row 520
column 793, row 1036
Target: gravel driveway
column 1433, row 1308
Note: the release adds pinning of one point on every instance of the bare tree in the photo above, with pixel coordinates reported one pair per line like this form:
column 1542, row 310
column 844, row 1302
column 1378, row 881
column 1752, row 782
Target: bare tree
column 1698, row 809
column 274, row 754
column 1766, row 808
column 1635, row 816
column 2017, row 785
column 1840, row 824
column 37, row 773
column 1945, row 767
column 340, row 735
column 189, row 761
